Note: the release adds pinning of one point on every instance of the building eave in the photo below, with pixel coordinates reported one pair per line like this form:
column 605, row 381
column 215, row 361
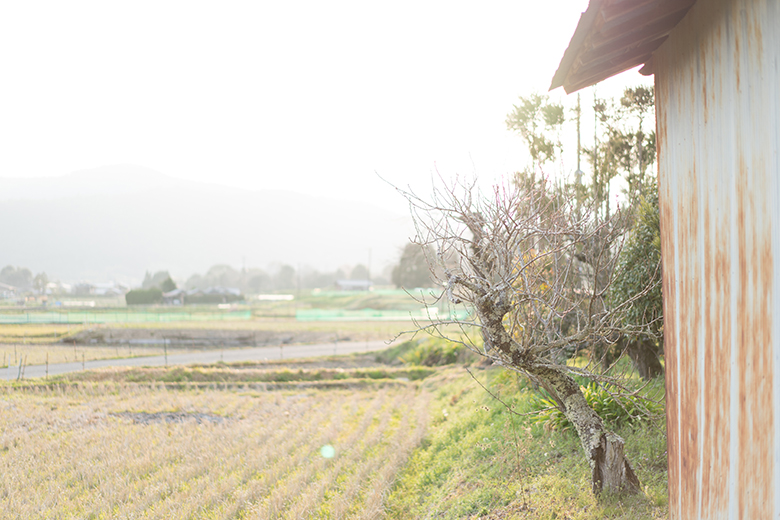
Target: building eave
column 616, row 35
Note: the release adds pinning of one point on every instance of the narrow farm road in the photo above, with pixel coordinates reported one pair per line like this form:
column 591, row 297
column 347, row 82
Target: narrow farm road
column 210, row 356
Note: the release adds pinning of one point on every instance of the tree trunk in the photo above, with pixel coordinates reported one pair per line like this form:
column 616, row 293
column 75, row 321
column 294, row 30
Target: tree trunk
column 610, row 469
column 605, row 353
column 604, row 450
column 645, row 358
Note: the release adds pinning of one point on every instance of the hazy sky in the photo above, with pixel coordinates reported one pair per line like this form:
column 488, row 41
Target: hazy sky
column 309, row 96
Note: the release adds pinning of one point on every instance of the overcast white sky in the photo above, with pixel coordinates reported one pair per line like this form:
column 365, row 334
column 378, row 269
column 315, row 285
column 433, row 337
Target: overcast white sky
column 308, row 96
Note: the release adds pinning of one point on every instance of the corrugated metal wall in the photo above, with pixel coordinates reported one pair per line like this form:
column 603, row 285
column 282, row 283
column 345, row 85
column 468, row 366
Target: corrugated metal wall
column 718, row 109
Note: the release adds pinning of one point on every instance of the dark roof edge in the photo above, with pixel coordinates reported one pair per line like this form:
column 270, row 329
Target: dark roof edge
column 580, row 34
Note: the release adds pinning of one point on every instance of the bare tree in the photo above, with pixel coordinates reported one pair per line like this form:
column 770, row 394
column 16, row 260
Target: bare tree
column 535, row 270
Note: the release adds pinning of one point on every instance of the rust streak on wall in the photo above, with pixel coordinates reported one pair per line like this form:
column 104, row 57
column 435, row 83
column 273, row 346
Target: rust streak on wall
column 666, row 198
column 718, row 190
column 754, row 360
column 716, row 411
column 689, row 314
column 756, row 274
column 717, row 356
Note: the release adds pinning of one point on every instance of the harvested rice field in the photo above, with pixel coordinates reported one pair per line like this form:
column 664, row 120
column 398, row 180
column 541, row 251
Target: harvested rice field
column 123, row 450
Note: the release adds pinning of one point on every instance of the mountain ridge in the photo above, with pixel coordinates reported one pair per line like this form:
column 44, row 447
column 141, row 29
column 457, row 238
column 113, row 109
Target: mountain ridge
column 118, row 227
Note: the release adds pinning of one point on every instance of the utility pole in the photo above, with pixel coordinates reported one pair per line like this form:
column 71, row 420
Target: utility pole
column 578, row 173
column 579, row 142
column 596, row 179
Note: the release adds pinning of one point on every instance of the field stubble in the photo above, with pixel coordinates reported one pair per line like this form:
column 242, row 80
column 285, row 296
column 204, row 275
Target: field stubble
column 130, row 451
column 37, row 344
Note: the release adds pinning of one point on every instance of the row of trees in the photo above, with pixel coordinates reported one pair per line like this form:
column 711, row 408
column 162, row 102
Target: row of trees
column 160, row 280
column 22, row 278
column 152, row 289
column 553, row 269
column 254, row 280
column 623, row 147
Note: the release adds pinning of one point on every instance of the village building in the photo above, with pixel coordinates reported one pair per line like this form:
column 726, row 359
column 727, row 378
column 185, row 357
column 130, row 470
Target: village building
column 354, row 285
column 717, row 84
column 8, row 291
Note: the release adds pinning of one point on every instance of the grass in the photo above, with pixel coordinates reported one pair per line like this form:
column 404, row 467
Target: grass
column 247, row 373
column 36, row 334
column 347, row 300
column 41, row 354
column 479, row 460
column 376, row 329
column 51, row 333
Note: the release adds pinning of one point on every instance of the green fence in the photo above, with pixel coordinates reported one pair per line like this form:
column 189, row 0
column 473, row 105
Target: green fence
column 120, row 317
column 432, row 314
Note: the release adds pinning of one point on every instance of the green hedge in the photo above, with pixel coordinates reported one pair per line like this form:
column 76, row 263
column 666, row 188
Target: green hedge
column 144, row 296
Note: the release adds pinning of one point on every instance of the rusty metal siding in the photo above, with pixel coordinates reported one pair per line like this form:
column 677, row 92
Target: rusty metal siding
column 718, row 109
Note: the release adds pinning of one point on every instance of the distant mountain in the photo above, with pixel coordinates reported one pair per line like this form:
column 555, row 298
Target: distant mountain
column 119, row 221
column 108, row 180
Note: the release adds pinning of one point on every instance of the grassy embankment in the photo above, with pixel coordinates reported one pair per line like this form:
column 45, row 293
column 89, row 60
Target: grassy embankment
column 211, row 444
column 495, row 456
column 479, row 460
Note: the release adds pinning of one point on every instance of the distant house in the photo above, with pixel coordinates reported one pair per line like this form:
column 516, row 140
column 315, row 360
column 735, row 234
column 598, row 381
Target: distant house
column 717, row 87
column 109, row 289
column 99, row 289
column 175, row 297
column 58, row 288
column 8, row 291
column 83, row 289
column 353, row 285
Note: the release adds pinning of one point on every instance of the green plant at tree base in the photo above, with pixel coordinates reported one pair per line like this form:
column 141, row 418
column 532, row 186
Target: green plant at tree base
column 614, row 409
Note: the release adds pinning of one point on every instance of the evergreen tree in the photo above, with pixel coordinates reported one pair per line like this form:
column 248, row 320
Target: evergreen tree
column 412, row 269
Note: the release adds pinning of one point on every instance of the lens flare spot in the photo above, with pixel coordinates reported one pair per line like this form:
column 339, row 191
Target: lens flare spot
column 328, row 451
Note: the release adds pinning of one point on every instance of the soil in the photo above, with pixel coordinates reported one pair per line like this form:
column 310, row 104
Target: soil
column 169, row 417
column 196, row 338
